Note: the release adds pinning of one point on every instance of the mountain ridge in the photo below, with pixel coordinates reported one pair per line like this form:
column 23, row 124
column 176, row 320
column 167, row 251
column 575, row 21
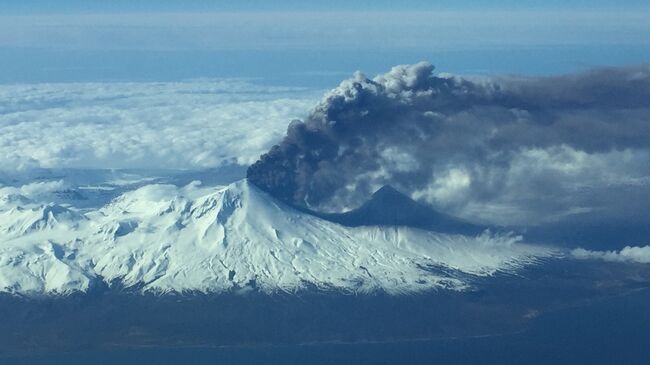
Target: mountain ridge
column 388, row 206
column 163, row 238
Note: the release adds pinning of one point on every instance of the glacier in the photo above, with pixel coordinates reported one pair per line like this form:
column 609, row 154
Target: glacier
column 163, row 238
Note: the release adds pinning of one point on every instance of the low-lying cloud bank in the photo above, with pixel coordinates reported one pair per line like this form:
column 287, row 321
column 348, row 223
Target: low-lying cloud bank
column 627, row 254
column 172, row 125
column 503, row 150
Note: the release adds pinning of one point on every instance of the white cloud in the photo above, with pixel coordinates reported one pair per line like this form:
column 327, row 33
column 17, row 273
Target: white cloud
column 33, row 189
column 571, row 182
column 627, row 254
column 447, row 188
column 194, row 124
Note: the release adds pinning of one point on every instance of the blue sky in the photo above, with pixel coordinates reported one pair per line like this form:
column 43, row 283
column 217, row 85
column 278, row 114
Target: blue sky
column 52, row 6
column 312, row 42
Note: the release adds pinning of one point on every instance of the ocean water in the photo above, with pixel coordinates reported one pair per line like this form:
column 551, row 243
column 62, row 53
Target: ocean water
column 316, row 68
column 612, row 330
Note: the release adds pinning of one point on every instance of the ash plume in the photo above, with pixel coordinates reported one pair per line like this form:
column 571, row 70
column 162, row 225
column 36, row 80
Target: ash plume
column 499, row 149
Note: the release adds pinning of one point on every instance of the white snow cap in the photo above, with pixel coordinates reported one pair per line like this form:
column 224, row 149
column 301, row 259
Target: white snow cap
column 163, row 238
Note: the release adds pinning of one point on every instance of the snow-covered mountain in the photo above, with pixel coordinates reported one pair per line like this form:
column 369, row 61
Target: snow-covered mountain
column 164, row 238
column 388, row 206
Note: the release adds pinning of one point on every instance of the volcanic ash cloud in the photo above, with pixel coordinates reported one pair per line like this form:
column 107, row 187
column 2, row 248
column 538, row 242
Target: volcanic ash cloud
column 503, row 150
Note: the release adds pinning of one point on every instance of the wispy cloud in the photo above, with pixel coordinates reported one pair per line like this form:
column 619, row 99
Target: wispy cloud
column 627, row 254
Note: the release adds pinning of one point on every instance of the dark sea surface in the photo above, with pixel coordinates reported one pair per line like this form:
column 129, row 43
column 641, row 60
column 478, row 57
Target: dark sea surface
column 557, row 313
column 315, row 68
column 614, row 331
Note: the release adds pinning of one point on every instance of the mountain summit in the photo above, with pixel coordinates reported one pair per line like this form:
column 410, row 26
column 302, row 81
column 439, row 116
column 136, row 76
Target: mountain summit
column 165, row 238
column 389, row 207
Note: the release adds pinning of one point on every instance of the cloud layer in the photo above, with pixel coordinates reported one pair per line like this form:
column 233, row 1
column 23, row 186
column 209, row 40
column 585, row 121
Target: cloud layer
column 627, row 254
column 197, row 124
column 500, row 150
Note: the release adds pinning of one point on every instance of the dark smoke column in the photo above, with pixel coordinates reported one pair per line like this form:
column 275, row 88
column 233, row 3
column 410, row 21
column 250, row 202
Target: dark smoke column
column 321, row 160
column 274, row 174
column 470, row 145
column 287, row 169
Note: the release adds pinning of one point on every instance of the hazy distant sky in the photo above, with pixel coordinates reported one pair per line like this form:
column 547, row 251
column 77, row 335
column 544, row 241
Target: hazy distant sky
column 312, row 43
column 45, row 6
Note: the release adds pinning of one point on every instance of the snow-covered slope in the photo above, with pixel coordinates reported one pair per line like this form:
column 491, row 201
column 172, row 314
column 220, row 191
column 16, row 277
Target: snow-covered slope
column 164, row 238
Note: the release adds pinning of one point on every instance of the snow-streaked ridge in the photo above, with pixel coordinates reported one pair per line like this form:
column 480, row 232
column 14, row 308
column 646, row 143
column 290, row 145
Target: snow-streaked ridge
column 163, row 238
